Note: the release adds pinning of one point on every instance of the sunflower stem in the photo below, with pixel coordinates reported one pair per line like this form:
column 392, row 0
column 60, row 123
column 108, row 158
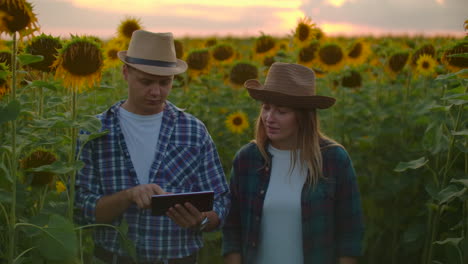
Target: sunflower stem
column 11, row 249
column 71, row 197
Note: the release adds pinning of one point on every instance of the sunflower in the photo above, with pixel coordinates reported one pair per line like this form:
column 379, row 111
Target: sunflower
column 426, row 65
column 48, row 47
column 455, row 64
column 397, row 62
column 210, row 42
column 37, row 158
column 5, row 57
column 308, row 54
column 241, row 72
column 127, row 26
column 198, row 62
column 17, row 16
column 352, row 80
column 4, row 77
column 358, row 53
column 331, row 57
column 305, row 31
column 237, row 122
column 179, row 49
column 60, row 187
column 223, row 53
column 427, row 49
column 268, row 61
column 110, row 50
column 79, row 63
column 265, row 45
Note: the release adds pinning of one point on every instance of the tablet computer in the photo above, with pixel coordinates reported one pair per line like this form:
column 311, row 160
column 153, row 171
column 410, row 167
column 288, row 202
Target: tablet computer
column 203, row 201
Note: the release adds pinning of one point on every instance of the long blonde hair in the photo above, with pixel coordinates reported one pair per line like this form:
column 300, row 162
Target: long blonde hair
column 307, row 143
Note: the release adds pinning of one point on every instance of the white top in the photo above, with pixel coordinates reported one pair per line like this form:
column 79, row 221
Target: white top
column 281, row 225
column 141, row 133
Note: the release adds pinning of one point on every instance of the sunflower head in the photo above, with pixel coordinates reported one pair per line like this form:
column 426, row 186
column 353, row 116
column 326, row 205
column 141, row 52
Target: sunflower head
column 331, row 57
column 397, row 62
column 36, row 158
column 111, row 49
column 264, row 44
column 456, row 63
column 4, row 76
column 427, row 49
column 5, row 57
column 198, row 61
column 80, row 63
column 358, row 52
column 305, row 30
column 237, row 122
column 223, row 52
column 352, row 80
column 426, row 65
column 268, row 61
column 241, row 72
column 308, row 53
column 17, row 16
column 210, row 42
column 127, row 26
column 179, row 49
column 48, row 47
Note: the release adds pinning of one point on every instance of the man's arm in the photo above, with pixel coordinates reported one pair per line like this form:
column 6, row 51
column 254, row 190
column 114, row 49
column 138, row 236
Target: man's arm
column 112, row 206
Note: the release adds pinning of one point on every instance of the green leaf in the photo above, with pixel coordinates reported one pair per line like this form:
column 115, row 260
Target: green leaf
column 58, row 242
column 5, row 197
column 460, row 55
column 454, row 241
column 441, row 108
column 449, row 193
column 127, row 244
column 10, row 112
column 414, row 164
column 26, row 59
column 4, row 75
column 461, row 181
column 5, row 173
column 460, row 133
column 85, row 138
column 89, row 123
column 44, row 84
column 60, row 167
column 451, row 75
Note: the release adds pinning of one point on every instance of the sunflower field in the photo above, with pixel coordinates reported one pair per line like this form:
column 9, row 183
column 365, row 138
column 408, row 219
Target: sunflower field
column 401, row 113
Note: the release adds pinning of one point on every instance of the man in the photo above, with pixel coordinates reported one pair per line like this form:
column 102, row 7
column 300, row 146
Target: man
column 152, row 148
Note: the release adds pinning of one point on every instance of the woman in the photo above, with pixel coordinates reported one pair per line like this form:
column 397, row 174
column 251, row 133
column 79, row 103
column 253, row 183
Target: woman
column 295, row 198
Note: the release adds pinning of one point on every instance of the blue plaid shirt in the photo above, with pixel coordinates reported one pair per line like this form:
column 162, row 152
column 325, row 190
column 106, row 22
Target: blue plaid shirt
column 186, row 160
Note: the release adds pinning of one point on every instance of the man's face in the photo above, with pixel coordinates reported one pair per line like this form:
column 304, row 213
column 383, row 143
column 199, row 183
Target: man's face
column 147, row 93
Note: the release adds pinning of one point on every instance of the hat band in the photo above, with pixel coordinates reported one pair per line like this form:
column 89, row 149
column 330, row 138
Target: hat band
column 150, row 62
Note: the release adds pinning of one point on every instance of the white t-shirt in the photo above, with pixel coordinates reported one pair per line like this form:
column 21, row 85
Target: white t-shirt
column 141, row 133
column 281, row 224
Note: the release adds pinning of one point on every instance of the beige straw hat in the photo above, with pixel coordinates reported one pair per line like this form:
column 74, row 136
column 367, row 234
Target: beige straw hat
column 290, row 85
column 153, row 53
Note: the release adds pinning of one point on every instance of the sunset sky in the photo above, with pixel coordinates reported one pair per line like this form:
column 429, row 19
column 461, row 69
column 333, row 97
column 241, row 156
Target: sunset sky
column 250, row 17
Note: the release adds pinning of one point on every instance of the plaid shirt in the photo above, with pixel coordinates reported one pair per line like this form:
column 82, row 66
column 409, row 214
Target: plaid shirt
column 186, row 160
column 332, row 222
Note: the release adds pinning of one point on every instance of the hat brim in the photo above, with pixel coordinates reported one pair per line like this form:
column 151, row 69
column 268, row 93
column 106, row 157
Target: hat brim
column 256, row 91
column 181, row 66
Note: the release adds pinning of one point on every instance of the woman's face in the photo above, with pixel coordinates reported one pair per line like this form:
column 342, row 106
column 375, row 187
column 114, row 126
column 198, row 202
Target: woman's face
column 280, row 125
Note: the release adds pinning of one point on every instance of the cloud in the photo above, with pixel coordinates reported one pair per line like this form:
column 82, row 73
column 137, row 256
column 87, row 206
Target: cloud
column 414, row 15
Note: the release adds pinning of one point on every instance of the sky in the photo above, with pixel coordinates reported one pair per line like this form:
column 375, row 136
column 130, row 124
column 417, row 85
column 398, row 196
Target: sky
column 252, row 17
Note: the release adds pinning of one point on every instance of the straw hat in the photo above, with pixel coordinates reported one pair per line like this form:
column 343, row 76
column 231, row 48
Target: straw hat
column 290, row 85
column 153, row 53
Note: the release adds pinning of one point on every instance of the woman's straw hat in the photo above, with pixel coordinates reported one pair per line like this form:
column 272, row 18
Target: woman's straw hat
column 290, row 85
column 153, row 53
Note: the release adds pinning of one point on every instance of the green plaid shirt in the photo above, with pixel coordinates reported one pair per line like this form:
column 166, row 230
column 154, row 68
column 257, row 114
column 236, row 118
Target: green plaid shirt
column 332, row 221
